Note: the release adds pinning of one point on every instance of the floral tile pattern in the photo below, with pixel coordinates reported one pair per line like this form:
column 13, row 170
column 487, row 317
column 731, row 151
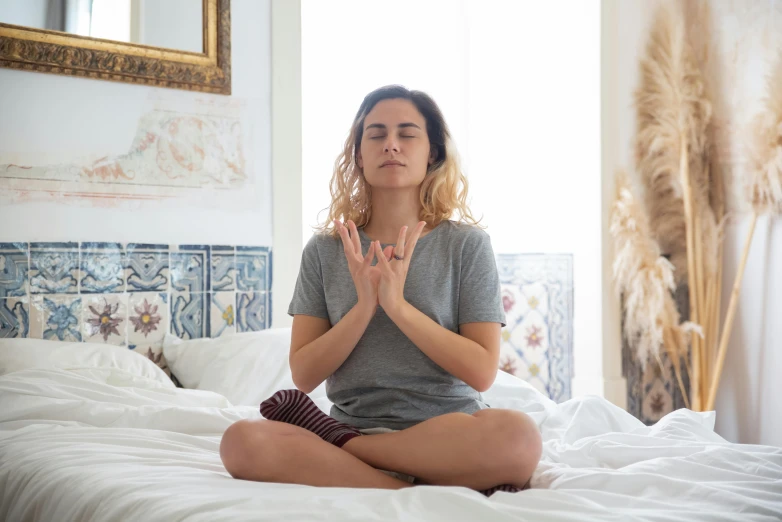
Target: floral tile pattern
column 189, row 315
column 537, row 343
column 148, row 318
column 223, row 266
column 253, row 311
column 189, row 268
column 147, row 267
column 132, row 295
column 105, row 319
column 14, row 317
column 222, row 313
column 54, row 268
column 253, row 268
column 102, row 268
column 56, row 318
column 14, row 265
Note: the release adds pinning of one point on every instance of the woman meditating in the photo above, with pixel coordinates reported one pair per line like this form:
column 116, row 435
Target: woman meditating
column 397, row 307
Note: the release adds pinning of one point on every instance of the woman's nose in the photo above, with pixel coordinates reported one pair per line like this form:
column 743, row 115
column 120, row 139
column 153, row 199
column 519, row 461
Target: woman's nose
column 392, row 144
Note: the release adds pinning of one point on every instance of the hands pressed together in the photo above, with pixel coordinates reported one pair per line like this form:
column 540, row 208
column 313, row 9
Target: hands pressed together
column 384, row 283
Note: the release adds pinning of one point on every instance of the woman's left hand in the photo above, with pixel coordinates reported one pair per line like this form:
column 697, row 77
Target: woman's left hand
column 393, row 272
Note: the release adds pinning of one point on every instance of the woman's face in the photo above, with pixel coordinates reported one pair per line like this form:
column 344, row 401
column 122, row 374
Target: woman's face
column 394, row 150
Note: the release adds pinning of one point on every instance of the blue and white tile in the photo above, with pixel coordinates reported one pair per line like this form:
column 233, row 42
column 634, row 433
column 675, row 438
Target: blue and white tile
column 537, row 294
column 223, row 266
column 14, row 317
column 56, row 318
column 102, row 268
column 253, row 269
column 189, row 315
column 222, row 313
column 190, row 268
column 54, row 268
column 147, row 267
column 14, row 267
column 253, row 311
column 105, row 319
column 148, row 318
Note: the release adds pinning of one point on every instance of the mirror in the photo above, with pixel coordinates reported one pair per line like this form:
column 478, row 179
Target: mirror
column 173, row 43
column 147, row 22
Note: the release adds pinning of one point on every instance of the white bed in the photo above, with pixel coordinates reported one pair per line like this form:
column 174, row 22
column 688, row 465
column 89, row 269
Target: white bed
column 98, row 433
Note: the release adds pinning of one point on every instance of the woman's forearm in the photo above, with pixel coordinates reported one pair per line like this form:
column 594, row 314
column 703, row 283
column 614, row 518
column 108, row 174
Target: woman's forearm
column 314, row 362
column 461, row 357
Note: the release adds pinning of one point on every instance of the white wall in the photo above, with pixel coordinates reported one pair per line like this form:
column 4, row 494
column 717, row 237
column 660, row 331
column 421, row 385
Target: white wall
column 30, row 13
column 745, row 35
column 519, row 84
column 48, row 118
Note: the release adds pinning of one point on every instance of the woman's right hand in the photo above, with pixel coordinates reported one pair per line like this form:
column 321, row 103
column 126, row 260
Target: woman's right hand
column 365, row 276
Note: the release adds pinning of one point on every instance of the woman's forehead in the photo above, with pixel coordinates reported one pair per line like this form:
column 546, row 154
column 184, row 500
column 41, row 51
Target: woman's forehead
column 393, row 112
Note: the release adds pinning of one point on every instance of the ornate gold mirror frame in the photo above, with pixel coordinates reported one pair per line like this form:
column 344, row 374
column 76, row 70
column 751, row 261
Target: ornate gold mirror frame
column 62, row 53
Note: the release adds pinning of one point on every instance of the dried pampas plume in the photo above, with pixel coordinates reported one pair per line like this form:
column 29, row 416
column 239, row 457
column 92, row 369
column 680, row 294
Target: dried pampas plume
column 764, row 173
column 764, row 191
column 645, row 280
column 671, row 106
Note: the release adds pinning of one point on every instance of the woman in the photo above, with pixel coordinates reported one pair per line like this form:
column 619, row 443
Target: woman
column 401, row 316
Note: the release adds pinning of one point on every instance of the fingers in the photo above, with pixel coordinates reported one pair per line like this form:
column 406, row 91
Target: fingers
column 354, row 237
column 400, row 242
column 347, row 244
column 370, row 254
column 388, row 252
column 382, row 260
column 413, row 240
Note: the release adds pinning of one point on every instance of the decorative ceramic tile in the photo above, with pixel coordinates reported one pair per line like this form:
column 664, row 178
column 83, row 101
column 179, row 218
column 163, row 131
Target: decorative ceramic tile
column 56, row 318
column 253, row 269
column 146, row 267
column 189, row 314
column 253, row 310
column 147, row 318
column 101, row 268
column 14, row 264
column 222, row 313
column 105, row 319
column 189, row 268
column 653, row 392
column 537, row 343
column 54, row 268
column 223, row 266
column 14, row 317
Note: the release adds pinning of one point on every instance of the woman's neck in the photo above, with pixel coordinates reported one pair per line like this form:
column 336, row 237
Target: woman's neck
column 391, row 210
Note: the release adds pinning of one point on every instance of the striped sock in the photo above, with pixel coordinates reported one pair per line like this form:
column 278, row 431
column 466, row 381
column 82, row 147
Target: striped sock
column 504, row 487
column 294, row 407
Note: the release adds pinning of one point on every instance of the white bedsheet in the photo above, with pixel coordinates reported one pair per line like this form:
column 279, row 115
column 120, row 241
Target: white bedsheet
column 100, row 444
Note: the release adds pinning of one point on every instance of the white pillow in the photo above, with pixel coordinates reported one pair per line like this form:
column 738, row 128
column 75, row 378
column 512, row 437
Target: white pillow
column 246, row 368
column 22, row 354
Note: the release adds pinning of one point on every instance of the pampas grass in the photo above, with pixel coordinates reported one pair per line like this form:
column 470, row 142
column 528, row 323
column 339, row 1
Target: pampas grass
column 645, row 280
column 672, row 155
column 763, row 192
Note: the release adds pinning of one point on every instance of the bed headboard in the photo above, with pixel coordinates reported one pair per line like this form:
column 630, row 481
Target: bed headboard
column 132, row 294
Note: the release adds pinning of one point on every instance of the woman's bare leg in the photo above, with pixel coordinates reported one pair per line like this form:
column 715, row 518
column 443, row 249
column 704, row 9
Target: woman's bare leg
column 269, row 451
column 479, row 451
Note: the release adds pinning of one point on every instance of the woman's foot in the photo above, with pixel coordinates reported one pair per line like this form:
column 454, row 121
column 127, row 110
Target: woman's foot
column 295, row 407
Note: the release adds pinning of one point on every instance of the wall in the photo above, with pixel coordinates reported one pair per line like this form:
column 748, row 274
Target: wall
column 51, row 119
column 744, row 35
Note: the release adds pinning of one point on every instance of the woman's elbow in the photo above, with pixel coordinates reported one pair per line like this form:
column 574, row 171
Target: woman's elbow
column 484, row 380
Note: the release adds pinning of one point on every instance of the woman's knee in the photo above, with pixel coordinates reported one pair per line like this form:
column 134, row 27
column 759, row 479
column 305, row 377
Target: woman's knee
column 515, row 439
column 244, row 445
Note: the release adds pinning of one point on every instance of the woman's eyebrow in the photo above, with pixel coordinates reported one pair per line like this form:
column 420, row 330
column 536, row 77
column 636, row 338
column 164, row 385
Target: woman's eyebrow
column 383, row 127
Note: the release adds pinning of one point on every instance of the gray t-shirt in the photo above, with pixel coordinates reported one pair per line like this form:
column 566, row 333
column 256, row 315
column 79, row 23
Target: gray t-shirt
column 387, row 381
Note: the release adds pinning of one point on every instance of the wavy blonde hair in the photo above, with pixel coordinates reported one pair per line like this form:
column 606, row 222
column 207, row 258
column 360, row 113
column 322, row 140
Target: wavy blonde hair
column 443, row 191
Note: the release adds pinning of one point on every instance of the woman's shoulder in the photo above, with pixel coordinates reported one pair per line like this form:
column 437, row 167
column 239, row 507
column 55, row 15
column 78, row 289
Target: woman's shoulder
column 321, row 243
column 465, row 233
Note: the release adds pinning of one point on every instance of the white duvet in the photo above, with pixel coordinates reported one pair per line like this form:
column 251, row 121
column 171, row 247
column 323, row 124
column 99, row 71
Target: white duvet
column 104, row 444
